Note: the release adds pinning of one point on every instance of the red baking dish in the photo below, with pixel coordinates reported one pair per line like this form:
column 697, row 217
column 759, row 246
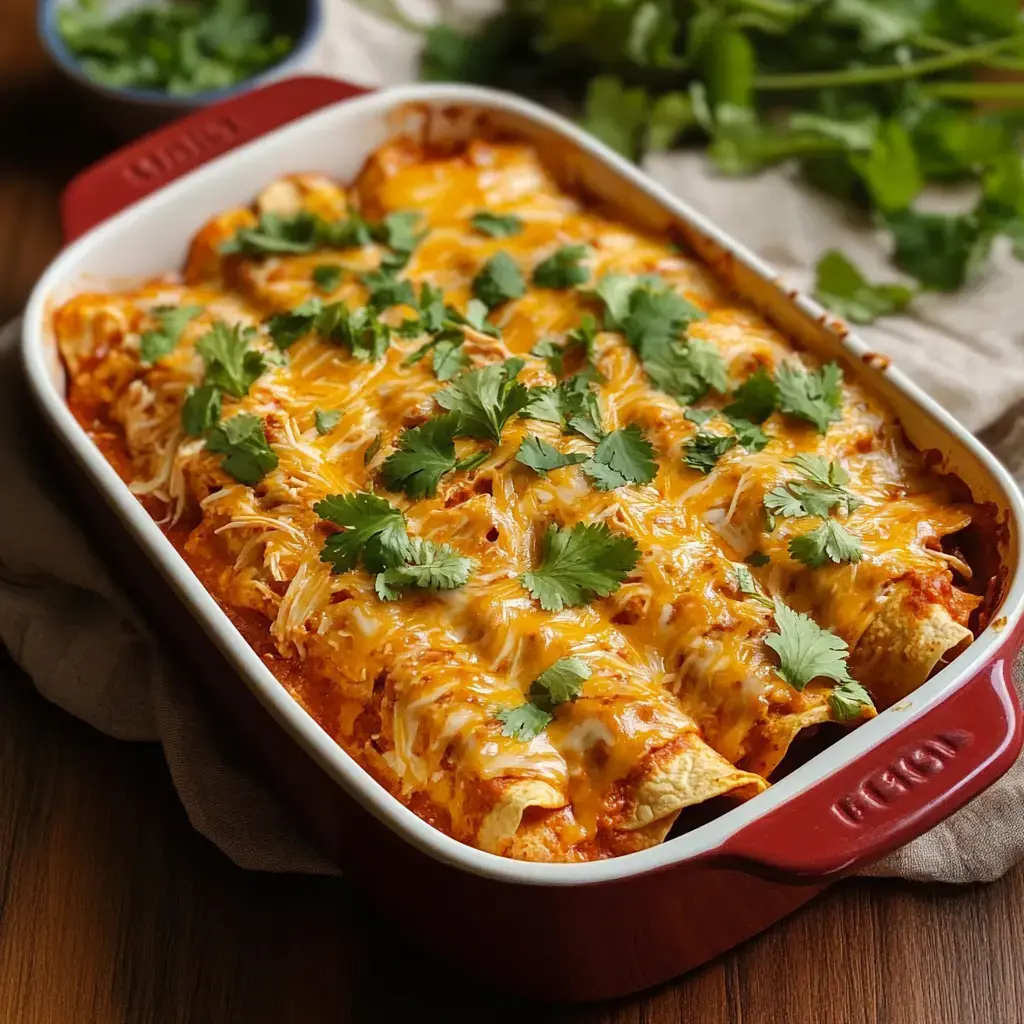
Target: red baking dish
column 617, row 925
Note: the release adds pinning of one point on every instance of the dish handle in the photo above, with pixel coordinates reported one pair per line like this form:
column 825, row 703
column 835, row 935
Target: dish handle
column 158, row 158
column 897, row 790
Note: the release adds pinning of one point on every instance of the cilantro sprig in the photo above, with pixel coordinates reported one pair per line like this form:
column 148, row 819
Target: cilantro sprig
column 563, row 268
column 241, row 440
column 486, row 399
column 373, row 534
column 841, row 287
column 160, row 341
column 815, row 396
column 704, row 449
column 540, row 456
column 579, row 564
column 496, row 225
column 654, row 320
column 819, row 493
column 231, row 364
column 424, row 455
column 624, row 456
column 560, row 683
column 498, row 281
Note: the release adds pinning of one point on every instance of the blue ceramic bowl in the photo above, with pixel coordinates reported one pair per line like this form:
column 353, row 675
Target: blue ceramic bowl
column 130, row 111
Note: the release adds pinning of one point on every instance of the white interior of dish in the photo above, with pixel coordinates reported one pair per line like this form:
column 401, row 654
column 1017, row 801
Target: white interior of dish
column 152, row 237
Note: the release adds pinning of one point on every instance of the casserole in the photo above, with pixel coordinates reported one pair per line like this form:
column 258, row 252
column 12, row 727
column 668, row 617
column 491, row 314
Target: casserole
column 873, row 789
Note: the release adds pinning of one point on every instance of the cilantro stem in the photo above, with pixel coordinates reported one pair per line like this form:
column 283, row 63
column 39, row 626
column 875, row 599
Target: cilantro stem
column 885, row 73
column 933, row 43
column 975, row 90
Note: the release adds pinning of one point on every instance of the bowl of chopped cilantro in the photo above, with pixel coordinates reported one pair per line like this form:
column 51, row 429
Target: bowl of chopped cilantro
column 152, row 60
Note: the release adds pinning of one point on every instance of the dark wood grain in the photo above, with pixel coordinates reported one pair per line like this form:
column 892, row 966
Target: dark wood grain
column 114, row 911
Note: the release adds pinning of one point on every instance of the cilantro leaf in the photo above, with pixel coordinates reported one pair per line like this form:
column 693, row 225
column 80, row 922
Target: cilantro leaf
column 201, row 410
column 450, row 358
column 655, row 317
column 580, row 407
column 427, row 566
column 558, row 684
column 496, row 225
column 155, row 344
column 486, row 399
column 242, row 442
column 942, row 251
column 525, row 722
column 747, row 586
column 817, row 495
column 424, row 455
column 365, row 336
column 326, row 420
column 561, row 682
column 757, row 559
column 498, row 281
column 273, row 233
column 623, row 457
column 816, row 396
column 615, row 114
column 806, row 651
column 286, row 328
column 703, row 450
column 398, row 231
column 849, row 700
column 829, row 542
column 580, row 564
column 230, row 364
column 755, row 399
column 541, row 456
column 387, row 290
column 842, row 288
column 700, row 416
column 327, row 276
column 748, row 435
column 374, row 531
column 562, row 269
column 890, row 169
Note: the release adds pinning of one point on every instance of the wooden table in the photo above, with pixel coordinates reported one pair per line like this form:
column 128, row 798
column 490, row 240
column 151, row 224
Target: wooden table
column 112, row 909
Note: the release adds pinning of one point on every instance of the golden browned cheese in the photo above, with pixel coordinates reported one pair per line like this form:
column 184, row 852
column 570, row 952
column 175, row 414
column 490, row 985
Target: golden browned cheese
column 684, row 701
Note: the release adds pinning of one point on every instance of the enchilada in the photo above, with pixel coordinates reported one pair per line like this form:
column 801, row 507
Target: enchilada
column 450, row 433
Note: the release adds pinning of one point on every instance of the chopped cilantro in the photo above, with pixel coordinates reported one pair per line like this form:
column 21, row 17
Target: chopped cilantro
column 372, row 448
column 816, row 396
column 623, row 457
column 296, row 233
column 497, row 225
column 387, row 290
column 580, row 564
column 230, row 364
column 486, row 399
column 747, row 586
column 830, row 542
column 242, row 442
column 554, row 352
column 755, row 399
column 563, row 268
column 326, row 420
column 365, row 336
column 498, row 281
column 700, row 416
column 157, row 343
column 748, row 435
column 703, row 450
column 806, row 651
column 201, row 410
column 757, row 559
column 286, row 328
column 398, row 231
column 424, row 455
column 327, row 276
column 541, row 456
column 560, row 683
column 849, row 700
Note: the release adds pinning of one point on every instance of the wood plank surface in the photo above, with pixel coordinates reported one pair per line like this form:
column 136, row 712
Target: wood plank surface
column 114, row 911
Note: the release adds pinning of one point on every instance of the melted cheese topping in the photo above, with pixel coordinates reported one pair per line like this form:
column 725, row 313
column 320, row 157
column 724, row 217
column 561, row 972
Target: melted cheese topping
column 410, row 688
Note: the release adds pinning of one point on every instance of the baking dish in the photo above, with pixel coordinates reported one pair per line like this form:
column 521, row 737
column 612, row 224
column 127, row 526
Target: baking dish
column 618, row 924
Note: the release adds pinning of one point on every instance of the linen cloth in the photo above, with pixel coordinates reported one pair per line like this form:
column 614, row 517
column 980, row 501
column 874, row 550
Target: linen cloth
column 67, row 624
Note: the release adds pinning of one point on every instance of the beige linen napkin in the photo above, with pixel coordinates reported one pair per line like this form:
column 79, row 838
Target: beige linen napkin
column 68, row 626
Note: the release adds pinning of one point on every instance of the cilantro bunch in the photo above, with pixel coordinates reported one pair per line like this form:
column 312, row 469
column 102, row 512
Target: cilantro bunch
column 872, row 99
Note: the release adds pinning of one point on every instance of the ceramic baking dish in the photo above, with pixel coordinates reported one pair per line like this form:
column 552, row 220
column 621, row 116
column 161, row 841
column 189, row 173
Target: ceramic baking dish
column 617, row 925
